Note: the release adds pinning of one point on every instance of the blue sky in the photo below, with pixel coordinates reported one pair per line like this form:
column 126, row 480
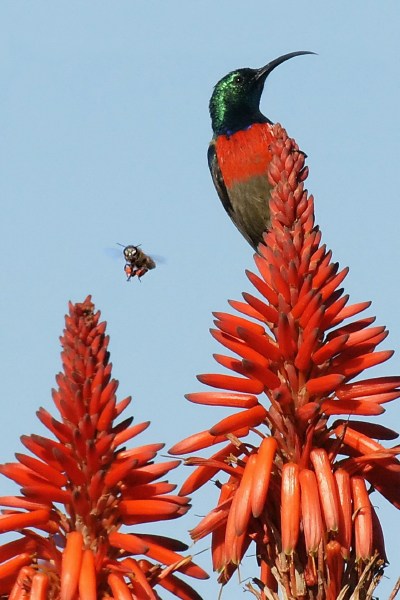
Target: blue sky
column 104, row 129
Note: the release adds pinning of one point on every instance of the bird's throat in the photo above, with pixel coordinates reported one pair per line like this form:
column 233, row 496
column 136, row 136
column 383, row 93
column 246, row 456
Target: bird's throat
column 244, row 154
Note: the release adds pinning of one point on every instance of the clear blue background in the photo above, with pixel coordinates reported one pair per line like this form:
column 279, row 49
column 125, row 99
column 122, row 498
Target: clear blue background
column 103, row 132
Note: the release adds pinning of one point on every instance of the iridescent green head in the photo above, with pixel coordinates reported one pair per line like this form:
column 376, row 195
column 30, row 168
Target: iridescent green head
column 235, row 103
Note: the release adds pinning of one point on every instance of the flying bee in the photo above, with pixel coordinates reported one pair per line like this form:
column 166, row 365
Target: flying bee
column 137, row 263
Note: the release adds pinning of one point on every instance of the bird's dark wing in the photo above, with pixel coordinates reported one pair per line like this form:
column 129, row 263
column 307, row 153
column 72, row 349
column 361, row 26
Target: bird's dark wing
column 218, row 179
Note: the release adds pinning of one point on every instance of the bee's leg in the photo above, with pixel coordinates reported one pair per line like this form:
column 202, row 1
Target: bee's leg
column 141, row 272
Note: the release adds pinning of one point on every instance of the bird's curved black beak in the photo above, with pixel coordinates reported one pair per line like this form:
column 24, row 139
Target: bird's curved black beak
column 262, row 74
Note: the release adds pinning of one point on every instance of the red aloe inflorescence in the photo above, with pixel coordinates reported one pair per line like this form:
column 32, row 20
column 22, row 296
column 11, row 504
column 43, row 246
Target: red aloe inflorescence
column 79, row 489
column 301, row 493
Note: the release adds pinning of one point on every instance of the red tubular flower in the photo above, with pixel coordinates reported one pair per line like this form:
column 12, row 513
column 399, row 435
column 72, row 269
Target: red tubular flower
column 79, row 550
column 299, row 346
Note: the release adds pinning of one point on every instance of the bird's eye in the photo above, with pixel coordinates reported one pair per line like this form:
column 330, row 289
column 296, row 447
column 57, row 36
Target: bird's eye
column 238, row 79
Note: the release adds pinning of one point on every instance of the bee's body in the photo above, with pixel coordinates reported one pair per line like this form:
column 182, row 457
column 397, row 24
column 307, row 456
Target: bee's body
column 137, row 263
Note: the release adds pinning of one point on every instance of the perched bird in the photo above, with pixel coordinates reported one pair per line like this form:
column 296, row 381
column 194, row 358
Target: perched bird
column 239, row 155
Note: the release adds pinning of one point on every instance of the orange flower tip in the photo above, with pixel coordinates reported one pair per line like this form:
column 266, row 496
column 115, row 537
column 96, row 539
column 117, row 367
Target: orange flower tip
column 39, row 587
column 148, row 507
column 334, row 560
column 166, row 542
column 177, row 587
column 290, row 507
column 327, row 488
column 306, row 413
column 345, row 511
column 120, row 590
column 363, row 525
column 129, row 542
column 163, row 555
column 10, row 522
column 351, row 407
column 372, row 430
column 194, row 442
column 367, row 387
column 324, row 384
column 71, row 565
column 356, row 365
column 243, row 499
column 11, row 567
column 262, row 474
column 310, row 510
column 357, row 440
column 251, row 418
column 229, row 382
column 246, row 309
column 230, row 399
column 87, row 577
column 267, row 377
column 195, row 571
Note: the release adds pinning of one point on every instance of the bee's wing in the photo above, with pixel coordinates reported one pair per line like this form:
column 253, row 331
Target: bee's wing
column 158, row 259
column 114, row 252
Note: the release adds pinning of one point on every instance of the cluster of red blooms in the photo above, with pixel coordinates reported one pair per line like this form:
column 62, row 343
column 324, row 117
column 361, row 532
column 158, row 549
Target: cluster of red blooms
column 296, row 485
column 80, row 552
column 301, row 493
